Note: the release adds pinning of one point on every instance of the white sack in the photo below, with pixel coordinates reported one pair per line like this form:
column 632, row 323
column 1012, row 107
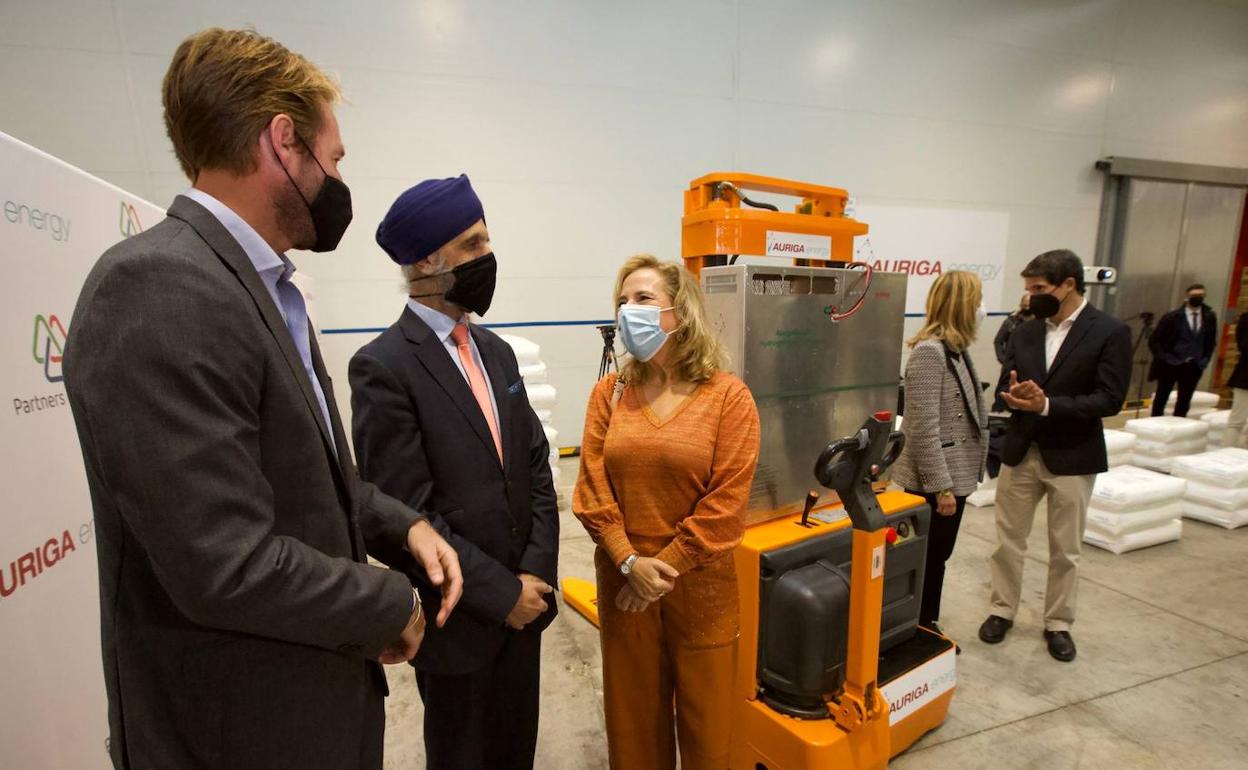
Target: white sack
column 1118, row 442
column 1219, row 468
column 1168, row 429
column 1113, row 524
column 1133, row 489
column 1228, row 519
column 527, row 352
column 1166, row 533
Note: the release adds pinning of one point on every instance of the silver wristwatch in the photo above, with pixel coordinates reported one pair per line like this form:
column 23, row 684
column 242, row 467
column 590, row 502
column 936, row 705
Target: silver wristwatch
column 627, row 567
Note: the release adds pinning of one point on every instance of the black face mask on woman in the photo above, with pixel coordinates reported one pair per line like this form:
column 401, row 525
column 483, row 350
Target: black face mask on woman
column 330, row 210
column 473, row 288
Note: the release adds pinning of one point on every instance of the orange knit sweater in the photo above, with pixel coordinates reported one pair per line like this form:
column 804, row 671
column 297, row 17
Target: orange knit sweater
column 683, row 481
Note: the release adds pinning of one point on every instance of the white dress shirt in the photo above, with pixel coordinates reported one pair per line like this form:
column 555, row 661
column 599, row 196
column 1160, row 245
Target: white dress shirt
column 442, row 325
column 1193, row 319
column 1054, row 336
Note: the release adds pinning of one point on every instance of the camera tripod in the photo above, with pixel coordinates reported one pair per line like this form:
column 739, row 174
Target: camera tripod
column 607, row 362
column 1146, row 331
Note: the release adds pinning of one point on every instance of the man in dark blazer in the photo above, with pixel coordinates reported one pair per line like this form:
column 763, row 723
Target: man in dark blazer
column 443, row 422
column 1067, row 369
column 1182, row 345
column 241, row 624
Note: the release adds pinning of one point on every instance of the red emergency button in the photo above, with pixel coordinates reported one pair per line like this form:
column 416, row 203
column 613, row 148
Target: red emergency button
column 884, row 416
column 890, row 535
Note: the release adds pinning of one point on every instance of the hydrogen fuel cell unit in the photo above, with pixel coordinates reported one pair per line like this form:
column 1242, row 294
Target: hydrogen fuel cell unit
column 833, row 670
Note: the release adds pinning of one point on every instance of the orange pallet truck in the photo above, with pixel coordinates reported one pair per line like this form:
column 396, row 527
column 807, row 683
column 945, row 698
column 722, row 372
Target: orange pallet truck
column 833, row 670
column 814, row 688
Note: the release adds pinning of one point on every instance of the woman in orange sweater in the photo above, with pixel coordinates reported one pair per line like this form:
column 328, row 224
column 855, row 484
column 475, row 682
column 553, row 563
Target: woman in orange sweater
column 667, row 460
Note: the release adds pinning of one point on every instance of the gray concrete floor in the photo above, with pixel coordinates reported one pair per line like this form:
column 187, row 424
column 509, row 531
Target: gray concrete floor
column 1161, row 680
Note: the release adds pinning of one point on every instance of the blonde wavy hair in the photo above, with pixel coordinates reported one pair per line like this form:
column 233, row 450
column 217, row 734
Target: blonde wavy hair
column 696, row 353
column 951, row 305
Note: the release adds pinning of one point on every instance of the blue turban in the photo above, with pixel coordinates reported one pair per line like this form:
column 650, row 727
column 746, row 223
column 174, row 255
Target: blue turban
column 427, row 217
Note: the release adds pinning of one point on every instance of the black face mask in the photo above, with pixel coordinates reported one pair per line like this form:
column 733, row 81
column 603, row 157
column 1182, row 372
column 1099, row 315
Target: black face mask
column 330, row 209
column 473, row 288
column 1195, row 301
column 1044, row 305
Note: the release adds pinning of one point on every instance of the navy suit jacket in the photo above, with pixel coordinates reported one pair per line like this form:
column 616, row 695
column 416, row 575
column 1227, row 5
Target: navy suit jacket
column 1087, row 382
column 421, row 437
column 1173, row 342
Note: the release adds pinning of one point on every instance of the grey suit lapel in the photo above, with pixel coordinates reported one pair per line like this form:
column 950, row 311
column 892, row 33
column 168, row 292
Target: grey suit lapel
column 221, row 242
column 435, row 358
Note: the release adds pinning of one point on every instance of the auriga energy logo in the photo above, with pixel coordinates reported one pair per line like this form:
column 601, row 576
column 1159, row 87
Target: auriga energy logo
column 130, row 224
column 48, row 345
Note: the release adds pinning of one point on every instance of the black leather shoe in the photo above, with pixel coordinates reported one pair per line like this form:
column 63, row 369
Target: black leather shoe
column 994, row 628
column 1061, row 645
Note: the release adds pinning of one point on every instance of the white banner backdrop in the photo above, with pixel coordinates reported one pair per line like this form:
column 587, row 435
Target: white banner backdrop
column 55, row 221
column 926, row 242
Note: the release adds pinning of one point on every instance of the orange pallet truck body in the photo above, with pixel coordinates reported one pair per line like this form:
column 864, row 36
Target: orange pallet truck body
column 817, row 583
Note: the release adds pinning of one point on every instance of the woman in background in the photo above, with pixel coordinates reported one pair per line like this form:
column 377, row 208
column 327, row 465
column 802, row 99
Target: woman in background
column 667, row 460
column 1001, row 343
column 946, row 423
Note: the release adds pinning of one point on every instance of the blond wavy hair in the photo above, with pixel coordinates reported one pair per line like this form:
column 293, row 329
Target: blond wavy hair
column 223, row 87
column 951, row 305
column 696, row 353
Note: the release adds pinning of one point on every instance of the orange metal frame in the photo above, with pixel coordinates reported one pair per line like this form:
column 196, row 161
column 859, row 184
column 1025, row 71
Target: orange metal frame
column 858, row 735
column 716, row 224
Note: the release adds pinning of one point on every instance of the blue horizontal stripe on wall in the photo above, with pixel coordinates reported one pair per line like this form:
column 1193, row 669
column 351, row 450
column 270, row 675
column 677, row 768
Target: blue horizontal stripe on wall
column 537, row 324
column 513, row 325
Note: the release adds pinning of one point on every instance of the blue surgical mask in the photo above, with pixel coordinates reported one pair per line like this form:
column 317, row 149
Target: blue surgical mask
column 640, row 331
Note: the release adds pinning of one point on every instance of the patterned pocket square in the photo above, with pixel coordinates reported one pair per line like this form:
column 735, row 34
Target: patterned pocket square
column 515, row 387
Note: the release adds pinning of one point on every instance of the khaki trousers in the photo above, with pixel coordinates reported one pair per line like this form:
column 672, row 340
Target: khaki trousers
column 1018, row 493
column 680, row 650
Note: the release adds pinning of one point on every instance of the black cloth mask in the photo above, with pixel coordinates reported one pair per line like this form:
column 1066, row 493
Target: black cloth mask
column 1044, row 305
column 473, row 287
column 1195, row 301
column 330, row 210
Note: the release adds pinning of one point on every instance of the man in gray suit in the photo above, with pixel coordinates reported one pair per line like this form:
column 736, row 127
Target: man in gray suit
column 241, row 624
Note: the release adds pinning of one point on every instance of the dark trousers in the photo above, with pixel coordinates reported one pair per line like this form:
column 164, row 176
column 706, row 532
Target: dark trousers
column 941, row 537
column 1185, row 376
column 486, row 720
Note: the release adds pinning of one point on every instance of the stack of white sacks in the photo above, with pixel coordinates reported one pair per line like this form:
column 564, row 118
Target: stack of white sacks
column 1217, row 487
column 542, row 395
column 1219, row 432
column 1118, row 444
column 1161, row 439
column 1134, row 508
column 1203, row 403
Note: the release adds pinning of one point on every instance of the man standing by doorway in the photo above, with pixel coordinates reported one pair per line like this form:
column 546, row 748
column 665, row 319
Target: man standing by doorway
column 1182, row 345
column 1066, row 370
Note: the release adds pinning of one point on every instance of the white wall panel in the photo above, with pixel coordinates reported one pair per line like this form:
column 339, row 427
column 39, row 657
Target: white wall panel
column 823, row 58
column 581, row 121
column 73, row 104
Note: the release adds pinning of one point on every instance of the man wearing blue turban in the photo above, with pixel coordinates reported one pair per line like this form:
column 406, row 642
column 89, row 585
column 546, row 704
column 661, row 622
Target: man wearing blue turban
column 441, row 420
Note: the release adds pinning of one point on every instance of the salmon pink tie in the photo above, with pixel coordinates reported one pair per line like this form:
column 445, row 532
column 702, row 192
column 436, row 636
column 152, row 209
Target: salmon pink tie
column 479, row 389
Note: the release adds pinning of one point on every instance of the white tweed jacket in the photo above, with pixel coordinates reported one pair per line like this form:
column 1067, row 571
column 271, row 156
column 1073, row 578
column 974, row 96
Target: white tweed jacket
column 946, row 423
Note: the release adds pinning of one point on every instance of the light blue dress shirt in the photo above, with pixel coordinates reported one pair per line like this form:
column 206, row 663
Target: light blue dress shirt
column 275, row 272
column 442, row 326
